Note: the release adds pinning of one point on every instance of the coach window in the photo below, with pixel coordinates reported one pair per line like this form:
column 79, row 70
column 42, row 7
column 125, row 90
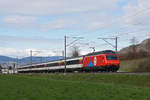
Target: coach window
column 52, row 64
column 72, row 62
column 40, row 65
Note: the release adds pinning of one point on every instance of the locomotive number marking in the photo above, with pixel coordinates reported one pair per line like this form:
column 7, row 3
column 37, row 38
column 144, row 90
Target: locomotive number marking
column 95, row 61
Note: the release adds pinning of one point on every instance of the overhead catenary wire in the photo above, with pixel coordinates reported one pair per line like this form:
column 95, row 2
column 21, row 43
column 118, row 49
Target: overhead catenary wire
column 129, row 16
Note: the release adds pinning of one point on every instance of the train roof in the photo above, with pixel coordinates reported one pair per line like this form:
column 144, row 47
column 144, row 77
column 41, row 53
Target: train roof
column 101, row 52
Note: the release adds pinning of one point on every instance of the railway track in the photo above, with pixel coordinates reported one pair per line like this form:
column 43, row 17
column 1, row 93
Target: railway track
column 138, row 73
column 128, row 73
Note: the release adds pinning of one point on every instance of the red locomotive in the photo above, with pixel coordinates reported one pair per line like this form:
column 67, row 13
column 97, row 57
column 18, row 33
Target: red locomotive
column 101, row 61
column 98, row 61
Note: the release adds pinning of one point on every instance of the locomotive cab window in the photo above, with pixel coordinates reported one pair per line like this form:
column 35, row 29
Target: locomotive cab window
column 111, row 57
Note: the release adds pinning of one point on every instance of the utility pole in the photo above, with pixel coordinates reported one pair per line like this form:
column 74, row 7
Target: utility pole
column 31, row 57
column 116, row 42
column 31, row 60
column 65, row 45
column 65, row 48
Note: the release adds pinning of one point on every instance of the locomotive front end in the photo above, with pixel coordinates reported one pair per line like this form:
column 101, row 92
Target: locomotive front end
column 112, row 62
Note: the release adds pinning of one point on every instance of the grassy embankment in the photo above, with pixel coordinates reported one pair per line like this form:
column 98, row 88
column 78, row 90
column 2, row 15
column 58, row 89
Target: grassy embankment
column 135, row 65
column 74, row 87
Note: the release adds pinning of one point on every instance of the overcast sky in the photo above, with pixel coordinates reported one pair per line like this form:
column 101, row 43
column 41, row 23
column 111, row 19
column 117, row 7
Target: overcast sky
column 40, row 25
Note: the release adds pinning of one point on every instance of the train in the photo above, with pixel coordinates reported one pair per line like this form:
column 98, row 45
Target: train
column 106, row 60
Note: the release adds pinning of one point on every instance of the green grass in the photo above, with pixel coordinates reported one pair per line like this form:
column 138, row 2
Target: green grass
column 74, row 87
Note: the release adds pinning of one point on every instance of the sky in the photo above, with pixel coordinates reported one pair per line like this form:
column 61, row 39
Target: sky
column 40, row 25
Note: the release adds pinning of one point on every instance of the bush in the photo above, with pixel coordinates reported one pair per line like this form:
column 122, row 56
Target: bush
column 144, row 66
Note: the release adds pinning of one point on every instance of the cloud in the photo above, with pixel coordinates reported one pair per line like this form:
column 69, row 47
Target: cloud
column 26, row 42
column 20, row 21
column 137, row 13
column 134, row 21
column 60, row 23
column 25, row 13
column 84, row 21
column 28, row 39
column 53, row 7
column 98, row 21
column 77, row 15
column 14, row 52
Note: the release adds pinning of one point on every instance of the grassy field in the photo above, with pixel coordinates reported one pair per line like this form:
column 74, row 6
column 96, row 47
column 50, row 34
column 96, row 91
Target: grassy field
column 74, row 87
column 130, row 65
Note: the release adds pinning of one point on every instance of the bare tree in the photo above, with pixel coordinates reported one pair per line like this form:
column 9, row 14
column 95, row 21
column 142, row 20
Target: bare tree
column 75, row 51
column 133, row 46
column 134, row 41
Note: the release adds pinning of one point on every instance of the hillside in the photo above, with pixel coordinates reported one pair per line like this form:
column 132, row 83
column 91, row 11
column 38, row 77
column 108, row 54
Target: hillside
column 143, row 47
column 135, row 65
column 136, row 58
column 4, row 59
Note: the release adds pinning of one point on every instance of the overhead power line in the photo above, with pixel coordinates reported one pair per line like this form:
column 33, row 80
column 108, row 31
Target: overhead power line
column 116, row 42
column 129, row 16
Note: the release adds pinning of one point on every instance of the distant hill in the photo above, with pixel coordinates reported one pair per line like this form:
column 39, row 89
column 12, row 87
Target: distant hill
column 4, row 59
column 27, row 60
column 143, row 47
